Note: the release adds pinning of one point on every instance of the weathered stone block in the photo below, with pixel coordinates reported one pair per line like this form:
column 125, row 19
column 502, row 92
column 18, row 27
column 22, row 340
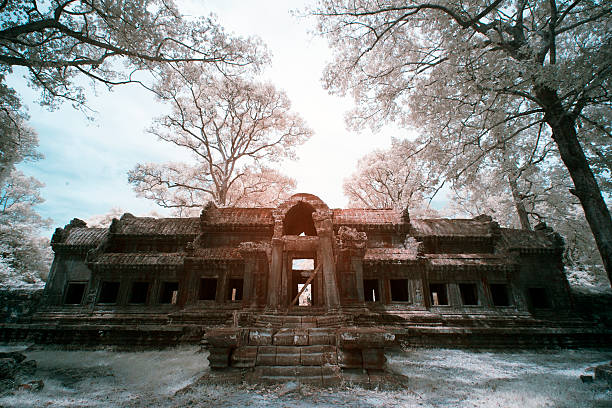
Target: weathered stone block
column 287, row 355
column 373, row 358
column 331, row 375
column 266, row 355
column 348, row 358
column 321, row 336
column 244, row 357
column 291, row 337
column 319, row 355
column 219, row 357
column 260, row 337
column 225, row 337
column 363, row 338
column 604, row 372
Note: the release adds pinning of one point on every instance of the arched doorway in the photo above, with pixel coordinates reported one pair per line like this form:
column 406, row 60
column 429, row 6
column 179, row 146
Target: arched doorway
column 298, row 220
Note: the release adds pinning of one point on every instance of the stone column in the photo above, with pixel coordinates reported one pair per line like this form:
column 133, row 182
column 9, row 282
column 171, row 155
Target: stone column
column 249, row 282
column 274, row 280
column 325, row 255
column 357, row 265
column 416, row 286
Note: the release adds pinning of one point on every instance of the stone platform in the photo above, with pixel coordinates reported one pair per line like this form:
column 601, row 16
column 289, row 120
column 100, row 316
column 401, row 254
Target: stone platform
column 316, row 349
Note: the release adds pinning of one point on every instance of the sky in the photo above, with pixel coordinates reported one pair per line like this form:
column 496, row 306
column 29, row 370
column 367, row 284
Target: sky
column 86, row 161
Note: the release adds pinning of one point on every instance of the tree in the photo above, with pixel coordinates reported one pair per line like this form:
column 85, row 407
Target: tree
column 107, row 42
column 24, row 256
column 391, row 178
column 544, row 192
column 232, row 127
column 463, row 69
column 60, row 39
column 185, row 188
column 18, row 141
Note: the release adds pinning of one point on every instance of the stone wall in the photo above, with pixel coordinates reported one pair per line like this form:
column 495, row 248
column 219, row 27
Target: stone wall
column 594, row 306
column 18, row 304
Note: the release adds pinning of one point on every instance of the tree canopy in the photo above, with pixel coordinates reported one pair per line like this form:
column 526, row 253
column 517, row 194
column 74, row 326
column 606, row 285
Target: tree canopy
column 392, row 178
column 233, row 129
column 109, row 42
column 475, row 75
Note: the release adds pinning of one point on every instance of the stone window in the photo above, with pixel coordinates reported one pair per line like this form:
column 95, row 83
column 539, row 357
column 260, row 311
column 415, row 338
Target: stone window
column 169, row 293
column 74, row 293
column 109, row 292
column 208, row 289
column 235, row 290
column 469, row 294
column 438, row 295
column 538, row 298
column 370, row 290
column 399, row 290
column 139, row 292
column 499, row 294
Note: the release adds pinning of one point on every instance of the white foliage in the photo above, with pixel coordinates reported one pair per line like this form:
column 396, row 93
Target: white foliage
column 233, row 128
column 391, row 178
column 484, row 79
column 25, row 256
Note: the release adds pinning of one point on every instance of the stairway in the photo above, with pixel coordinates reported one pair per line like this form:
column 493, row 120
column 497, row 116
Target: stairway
column 285, row 348
column 278, row 321
column 316, row 349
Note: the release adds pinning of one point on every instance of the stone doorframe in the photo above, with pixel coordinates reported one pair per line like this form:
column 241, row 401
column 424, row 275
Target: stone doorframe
column 321, row 244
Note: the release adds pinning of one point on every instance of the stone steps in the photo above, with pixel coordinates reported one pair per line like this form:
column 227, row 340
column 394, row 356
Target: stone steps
column 326, row 375
column 296, row 321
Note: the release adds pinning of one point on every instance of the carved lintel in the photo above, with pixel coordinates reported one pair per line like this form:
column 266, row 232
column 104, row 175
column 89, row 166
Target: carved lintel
column 351, row 239
column 250, row 247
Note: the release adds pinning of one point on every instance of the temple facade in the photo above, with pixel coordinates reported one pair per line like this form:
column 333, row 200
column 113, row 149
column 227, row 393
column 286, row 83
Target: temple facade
column 305, row 290
column 358, row 261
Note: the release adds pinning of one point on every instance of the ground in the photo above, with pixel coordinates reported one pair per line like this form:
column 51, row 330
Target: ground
column 436, row 378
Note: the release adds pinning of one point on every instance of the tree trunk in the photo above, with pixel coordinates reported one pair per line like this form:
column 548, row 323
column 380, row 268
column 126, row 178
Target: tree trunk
column 518, row 203
column 585, row 186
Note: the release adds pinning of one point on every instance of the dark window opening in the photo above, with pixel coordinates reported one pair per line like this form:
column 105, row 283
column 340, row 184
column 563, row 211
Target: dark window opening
column 499, row 294
column 469, row 294
column 437, row 292
column 139, row 293
column 298, row 220
column 208, row 289
column 109, row 292
column 399, row 290
column 538, row 298
column 74, row 293
column 370, row 290
column 235, row 290
column 169, row 293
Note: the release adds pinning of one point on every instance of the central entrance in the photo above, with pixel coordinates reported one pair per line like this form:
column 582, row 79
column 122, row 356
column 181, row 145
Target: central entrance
column 301, row 271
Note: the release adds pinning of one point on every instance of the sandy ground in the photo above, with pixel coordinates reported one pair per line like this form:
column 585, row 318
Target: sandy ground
column 436, row 378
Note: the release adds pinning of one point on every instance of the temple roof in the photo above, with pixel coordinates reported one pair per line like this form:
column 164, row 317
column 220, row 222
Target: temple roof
column 239, row 216
column 131, row 225
column 219, row 253
column 522, row 239
column 85, row 236
column 450, row 227
column 135, row 259
column 356, row 216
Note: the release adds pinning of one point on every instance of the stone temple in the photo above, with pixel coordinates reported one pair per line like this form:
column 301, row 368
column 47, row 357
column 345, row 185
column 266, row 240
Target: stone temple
column 306, row 290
